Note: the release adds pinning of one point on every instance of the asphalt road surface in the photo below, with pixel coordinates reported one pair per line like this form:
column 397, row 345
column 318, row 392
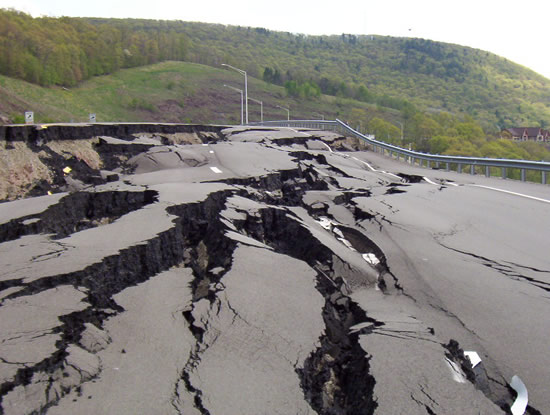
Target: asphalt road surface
column 274, row 271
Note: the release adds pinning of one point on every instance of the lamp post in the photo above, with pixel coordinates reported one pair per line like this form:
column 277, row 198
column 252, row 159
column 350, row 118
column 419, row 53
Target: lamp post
column 261, row 108
column 287, row 112
column 241, row 92
column 245, row 87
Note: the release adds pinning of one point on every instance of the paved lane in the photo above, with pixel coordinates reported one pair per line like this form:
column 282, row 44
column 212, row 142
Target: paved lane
column 480, row 251
column 264, row 270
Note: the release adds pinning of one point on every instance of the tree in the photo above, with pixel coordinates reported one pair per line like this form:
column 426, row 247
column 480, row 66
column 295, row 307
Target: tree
column 363, row 94
column 384, row 131
column 440, row 144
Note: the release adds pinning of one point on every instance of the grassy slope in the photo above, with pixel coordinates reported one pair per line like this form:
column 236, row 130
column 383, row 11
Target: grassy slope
column 169, row 92
column 433, row 75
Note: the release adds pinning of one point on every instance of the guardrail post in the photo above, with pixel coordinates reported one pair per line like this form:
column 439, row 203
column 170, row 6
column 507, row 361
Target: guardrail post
column 504, row 172
column 429, row 164
column 472, row 169
column 459, row 168
column 437, row 164
column 447, row 166
column 543, row 177
column 487, row 171
column 522, row 175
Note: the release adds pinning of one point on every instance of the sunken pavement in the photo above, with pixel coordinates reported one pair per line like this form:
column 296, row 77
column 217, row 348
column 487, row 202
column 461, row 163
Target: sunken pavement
column 149, row 269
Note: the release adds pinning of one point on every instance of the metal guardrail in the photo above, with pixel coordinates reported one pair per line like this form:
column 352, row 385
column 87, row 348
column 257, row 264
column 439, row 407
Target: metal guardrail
column 415, row 156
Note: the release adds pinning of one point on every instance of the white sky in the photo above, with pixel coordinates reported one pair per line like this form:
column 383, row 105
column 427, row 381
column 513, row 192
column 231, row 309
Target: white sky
column 518, row 30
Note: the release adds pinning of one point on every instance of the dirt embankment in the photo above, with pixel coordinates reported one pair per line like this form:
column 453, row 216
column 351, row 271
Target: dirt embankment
column 35, row 160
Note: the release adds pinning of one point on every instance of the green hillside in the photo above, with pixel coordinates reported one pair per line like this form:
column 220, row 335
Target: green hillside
column 169, row 92
column 386, row 71
column 188, row 92
column 434, row 76
column 444, row 98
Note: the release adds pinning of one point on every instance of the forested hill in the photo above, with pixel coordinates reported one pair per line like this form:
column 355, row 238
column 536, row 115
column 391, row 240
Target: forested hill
column 64, row 51
column 432, row 75
column 392, row 72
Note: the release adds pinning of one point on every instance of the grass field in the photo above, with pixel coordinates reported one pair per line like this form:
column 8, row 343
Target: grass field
column 167, row 92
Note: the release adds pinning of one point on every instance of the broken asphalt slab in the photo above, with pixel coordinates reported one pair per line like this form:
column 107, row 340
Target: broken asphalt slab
column 247, row 270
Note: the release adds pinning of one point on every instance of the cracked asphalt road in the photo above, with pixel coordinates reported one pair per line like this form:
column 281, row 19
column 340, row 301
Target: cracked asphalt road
column 272, row 271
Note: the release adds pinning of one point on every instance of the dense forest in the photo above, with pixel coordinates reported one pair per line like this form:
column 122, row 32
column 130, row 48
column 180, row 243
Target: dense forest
column 391, row 72
column 50, row 51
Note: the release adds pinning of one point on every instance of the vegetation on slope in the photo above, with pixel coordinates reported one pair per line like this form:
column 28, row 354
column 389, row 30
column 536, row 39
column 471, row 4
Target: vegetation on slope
column 163, row 92
column 390, row 72
column 65, row 51
column 388, row 87
column 186, row 92
column 431, row 75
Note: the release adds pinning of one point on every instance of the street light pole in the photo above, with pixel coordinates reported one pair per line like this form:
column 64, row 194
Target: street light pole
column 287, row 112
column 245, row 86
column 241, row 92
column 261, row 108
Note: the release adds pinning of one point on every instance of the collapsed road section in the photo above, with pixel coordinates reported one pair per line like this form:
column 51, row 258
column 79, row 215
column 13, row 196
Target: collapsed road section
column 227, row 271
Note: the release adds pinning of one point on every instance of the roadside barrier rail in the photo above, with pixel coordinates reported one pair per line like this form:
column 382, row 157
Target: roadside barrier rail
column 414, row 157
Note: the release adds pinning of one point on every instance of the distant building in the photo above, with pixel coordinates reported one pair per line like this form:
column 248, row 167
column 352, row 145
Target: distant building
column 526, row 134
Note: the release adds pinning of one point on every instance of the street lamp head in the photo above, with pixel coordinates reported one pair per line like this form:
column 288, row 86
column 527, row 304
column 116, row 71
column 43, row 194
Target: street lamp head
column 287, row 111
column 241, row 71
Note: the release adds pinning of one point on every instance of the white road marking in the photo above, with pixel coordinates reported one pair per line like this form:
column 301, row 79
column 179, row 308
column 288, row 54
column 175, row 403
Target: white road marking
column 474, row 358
column 211, row 151
column 364, row 162
column 374, row 170
column 511, row 193
column 215, row 170
column 371, row 259
column 451, row 184
column 456, row 371
column 391, row 174
column 338, row 232
column 520, row 404
column 299, row 132
column 358, row 327
column 347, row 243
column 327, row 146
column 429, row 181
column 205, row 145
